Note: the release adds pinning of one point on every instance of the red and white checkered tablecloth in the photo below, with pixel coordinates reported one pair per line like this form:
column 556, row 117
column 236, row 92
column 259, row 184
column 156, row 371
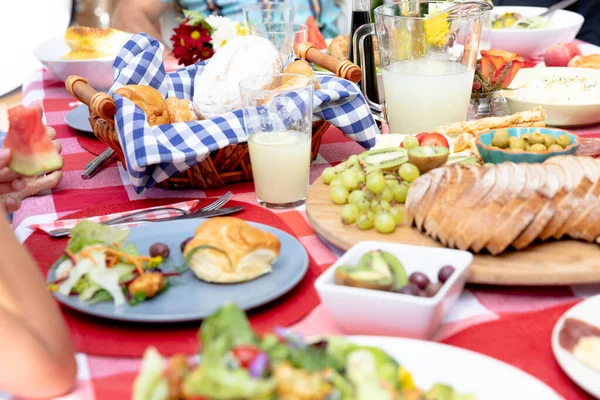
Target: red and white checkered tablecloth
column 511, row 324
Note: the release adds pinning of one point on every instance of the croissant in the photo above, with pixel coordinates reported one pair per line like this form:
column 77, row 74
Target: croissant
column 229, row 250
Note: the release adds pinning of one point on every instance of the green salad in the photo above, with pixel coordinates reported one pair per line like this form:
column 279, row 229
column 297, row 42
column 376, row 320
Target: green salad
column 516, row 20
column 98, row 266
column 237, row 363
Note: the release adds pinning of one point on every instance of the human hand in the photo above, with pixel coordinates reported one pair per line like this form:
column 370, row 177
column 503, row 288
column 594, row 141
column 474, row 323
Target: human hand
column 15, row 188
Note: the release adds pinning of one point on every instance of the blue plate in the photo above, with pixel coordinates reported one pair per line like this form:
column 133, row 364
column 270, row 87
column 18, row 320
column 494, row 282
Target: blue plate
column 77, row 119
column 497, row 156
column 190, row 299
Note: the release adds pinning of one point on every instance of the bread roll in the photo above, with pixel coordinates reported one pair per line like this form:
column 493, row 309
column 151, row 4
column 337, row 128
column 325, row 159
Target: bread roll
column 149, row 100
column 180, row 110
column 300, row 67
column 241, row 253
column 86, row 42
column 216, row 89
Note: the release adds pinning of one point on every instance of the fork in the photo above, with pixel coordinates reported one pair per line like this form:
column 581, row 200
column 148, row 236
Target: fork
column 133, row 217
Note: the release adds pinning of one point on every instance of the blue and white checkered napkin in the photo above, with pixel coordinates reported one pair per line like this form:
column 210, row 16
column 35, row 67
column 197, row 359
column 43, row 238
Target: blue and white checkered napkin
column 153, row 154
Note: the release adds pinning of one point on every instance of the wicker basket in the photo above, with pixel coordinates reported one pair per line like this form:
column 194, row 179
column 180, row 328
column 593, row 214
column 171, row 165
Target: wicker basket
column 222, row 167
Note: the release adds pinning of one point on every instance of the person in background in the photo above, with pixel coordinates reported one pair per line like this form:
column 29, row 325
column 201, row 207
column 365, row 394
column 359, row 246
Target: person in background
column 37, row 354
column 590, row 9
column 143, row 15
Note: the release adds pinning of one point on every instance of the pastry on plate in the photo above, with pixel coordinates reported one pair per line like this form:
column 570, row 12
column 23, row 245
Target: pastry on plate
column 534, row 117
column 216, row 89
column 87, row 43
column 149, row 100
column 180, row 110
column 582, row 340
column 591, row 61
column 229, row 250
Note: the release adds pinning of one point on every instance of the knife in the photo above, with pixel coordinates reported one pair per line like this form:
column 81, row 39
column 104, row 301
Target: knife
column 202, row 214
column 205, row 214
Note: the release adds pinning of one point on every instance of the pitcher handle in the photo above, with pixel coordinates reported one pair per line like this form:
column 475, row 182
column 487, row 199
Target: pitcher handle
column 358, row 46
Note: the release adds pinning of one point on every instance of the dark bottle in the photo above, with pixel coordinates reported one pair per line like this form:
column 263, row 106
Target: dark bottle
column 361, row 14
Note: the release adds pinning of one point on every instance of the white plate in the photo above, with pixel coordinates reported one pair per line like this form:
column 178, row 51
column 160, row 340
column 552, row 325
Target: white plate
column 584, row 376
column 566, row 113
column 464, row 370
column 78, row 118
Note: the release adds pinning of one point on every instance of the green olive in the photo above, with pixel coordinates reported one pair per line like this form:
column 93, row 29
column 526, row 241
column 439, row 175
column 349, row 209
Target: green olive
column 536, row 138
column 555, row 147
column 525, row 137
column 500, row 138
column 516, row 150
column 516, row 143
column 563, row 140
column 548, row 139
column 538, row 148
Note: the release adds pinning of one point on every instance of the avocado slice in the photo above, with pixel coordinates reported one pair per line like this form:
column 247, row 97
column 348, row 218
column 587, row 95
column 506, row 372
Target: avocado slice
column 384, row 261
column 426, row 158
column 384, row 159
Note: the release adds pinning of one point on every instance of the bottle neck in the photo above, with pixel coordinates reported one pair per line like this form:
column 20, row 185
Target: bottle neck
column 361, row 5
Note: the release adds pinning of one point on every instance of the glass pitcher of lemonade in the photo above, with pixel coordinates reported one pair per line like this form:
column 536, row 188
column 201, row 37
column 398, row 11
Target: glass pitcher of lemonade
column 428, row 51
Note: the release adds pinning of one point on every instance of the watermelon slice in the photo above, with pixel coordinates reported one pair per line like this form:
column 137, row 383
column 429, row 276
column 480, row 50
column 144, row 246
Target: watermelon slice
column 31, row 148
column 314, row 34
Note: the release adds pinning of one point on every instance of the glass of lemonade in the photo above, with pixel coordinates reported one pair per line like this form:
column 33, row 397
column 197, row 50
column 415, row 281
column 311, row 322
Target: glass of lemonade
column 278, row 122
column 266, row 12
column 427, row 61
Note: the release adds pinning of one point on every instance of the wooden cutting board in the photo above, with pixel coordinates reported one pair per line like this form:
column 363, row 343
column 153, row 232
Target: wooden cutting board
column 562, row 262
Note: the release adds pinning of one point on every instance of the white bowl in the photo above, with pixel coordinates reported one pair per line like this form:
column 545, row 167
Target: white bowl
column 97, row 71
column 564, row 26
column 373, row 312
column 568, row 110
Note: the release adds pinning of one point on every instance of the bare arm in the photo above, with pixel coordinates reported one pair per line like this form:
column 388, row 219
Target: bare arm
column 137, row 16
column 37, row 354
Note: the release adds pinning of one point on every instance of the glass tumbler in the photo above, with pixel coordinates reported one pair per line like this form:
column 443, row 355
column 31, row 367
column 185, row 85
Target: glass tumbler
column 265, row 12
column 278, row 115
column 284, row 35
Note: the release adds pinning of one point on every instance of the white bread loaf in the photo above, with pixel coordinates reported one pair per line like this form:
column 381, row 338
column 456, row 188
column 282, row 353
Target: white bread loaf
column 216, row 89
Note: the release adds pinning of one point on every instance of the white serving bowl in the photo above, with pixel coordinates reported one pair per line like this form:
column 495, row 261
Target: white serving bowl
column 564, row 26
column 568, row 110
column 373, row 312
column 97, row 71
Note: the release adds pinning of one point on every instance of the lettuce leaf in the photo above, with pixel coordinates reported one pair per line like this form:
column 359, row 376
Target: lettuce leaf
column 220, row 332
column 87, row 233
column 150, row 383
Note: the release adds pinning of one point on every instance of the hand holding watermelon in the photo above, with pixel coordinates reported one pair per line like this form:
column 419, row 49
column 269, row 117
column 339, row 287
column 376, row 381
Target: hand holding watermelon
column 28, row 151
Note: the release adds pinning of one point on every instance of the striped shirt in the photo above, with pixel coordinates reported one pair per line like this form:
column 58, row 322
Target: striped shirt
column 326, row 12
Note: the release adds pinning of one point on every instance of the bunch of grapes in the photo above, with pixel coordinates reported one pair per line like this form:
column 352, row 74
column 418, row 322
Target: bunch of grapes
column 370, row 196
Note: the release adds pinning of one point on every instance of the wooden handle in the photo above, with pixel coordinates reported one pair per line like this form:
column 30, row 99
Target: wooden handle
column 99, row 103
column 343, row 69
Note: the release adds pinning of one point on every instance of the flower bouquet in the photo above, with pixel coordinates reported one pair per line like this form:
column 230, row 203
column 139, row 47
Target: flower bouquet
column 494, row 72
column 197, row 37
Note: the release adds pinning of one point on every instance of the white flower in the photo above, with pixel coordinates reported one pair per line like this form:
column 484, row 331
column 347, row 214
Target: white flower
column 225, row 34
column 216, row 22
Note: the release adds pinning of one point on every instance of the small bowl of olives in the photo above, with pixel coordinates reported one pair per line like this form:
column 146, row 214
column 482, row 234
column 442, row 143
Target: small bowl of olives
column 525, row 145
column 381, row 288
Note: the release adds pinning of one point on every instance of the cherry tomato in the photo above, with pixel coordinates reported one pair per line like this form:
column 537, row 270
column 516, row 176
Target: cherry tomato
column 432, row 139
column 245, row 354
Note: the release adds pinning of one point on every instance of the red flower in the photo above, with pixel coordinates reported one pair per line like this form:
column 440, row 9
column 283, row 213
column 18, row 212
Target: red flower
column 191, row 43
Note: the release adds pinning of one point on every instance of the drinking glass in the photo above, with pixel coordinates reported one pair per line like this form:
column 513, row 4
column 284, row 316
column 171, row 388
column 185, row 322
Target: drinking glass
column 284, row 35
column 278, row 123
column 428, row 64
column 272, row 11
